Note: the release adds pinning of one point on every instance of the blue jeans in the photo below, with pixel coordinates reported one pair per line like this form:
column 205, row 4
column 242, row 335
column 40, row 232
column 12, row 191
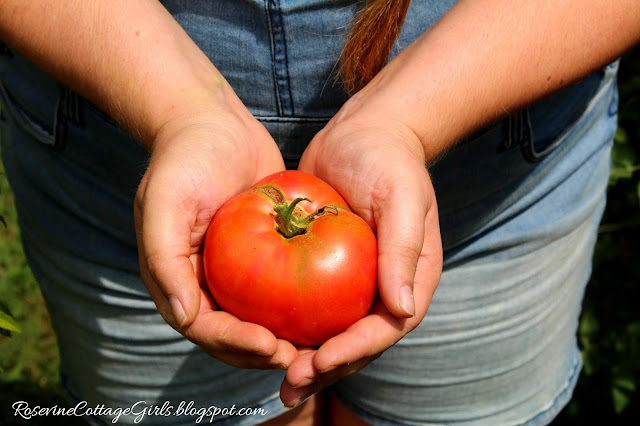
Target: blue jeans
column 520, row 202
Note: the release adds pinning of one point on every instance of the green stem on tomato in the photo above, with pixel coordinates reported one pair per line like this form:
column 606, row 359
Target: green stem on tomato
column 288, row 223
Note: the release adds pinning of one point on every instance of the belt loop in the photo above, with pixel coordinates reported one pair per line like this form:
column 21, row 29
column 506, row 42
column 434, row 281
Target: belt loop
column 509, row 135
column 67, row 109
column 60, row 123
column 513, row 133
column 519, row 132
column 527, row 141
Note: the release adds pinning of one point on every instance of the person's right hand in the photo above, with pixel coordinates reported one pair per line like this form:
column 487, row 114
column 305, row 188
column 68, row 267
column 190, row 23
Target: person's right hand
column 199, row 161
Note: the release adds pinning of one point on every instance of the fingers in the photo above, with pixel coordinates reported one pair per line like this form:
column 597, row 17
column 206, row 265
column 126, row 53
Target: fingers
column 368, row 337
column 343, row 355
column 238, row 343
column 294, row 395
column 309, row 374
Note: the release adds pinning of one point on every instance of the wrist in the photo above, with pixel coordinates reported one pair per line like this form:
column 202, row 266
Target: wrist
column 166, row 112
column 190, row 86
column 367, row 111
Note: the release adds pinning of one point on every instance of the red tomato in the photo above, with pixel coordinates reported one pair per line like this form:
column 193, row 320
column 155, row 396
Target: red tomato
column 290, row 255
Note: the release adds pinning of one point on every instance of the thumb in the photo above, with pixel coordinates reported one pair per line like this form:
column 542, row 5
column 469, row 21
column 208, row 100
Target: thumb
column 164, row 251
column 400, row 224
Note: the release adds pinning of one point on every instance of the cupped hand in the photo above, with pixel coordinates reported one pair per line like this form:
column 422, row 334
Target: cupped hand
column 379, row 169
column 199, row 161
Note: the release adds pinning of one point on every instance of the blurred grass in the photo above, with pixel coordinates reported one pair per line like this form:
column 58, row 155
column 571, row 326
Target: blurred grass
column 609, row 335
column 28, row 360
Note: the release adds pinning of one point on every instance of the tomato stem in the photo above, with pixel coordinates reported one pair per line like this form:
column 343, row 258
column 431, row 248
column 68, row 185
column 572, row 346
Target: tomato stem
column 289, row 223
column 289, row 220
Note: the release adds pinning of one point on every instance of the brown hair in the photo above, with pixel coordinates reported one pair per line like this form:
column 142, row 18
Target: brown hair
column 375, row 29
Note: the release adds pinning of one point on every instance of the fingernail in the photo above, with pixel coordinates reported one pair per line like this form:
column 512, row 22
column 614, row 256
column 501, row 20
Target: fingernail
column 178, row 310
column 301, row 401
column 298, row 403
column 304, row 382
column 406, row 300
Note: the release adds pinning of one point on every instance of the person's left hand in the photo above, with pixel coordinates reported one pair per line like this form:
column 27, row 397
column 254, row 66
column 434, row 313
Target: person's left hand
column 379, row 169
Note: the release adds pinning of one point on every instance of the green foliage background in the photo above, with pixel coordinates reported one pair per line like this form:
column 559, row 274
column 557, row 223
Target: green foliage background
column 608, row 390
column 609, row 333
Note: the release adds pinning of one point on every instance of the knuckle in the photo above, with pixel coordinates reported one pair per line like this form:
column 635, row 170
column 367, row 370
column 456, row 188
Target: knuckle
column 406, row 253
column 154, row 265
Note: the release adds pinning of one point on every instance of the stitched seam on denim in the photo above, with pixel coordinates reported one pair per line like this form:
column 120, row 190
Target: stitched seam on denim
column 279, row 58
column 286, row 61
column 569, row 385
column 284, row 85
column 267, row 11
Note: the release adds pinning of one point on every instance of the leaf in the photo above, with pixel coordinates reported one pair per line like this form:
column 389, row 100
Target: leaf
column 9, row 323
column 621, row 136
column 589, row 327
column 588, row 334
column 623, row 159
column 620, row 399
column 625, row 383
column 618, row 173
column 621, row 390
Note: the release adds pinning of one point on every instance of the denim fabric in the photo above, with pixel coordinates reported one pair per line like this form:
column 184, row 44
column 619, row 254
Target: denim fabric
column 520, row 202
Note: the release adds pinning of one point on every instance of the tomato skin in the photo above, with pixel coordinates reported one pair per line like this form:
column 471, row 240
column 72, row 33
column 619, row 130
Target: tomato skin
column 305, row 289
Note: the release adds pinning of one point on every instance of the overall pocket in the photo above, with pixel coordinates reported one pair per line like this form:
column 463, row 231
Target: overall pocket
column 36, row 103
column 545, row 122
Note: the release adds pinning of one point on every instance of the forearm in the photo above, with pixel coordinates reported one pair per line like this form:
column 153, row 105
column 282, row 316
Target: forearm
column 130, row 57
column 487, row 58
